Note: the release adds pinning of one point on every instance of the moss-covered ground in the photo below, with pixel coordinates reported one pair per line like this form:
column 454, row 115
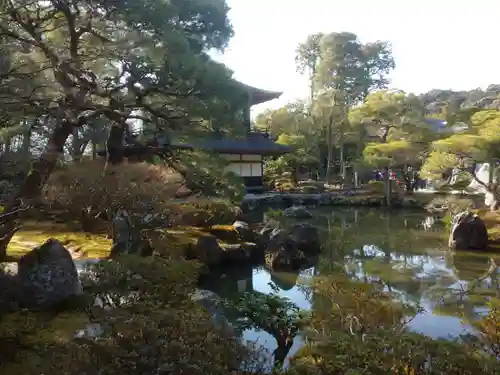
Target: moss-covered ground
column 80, row 244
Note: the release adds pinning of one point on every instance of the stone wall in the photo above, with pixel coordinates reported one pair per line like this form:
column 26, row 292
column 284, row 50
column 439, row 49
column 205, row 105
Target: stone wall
column 253, row 202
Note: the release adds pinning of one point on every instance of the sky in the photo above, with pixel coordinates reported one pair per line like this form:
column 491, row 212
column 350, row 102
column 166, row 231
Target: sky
column 441, row 44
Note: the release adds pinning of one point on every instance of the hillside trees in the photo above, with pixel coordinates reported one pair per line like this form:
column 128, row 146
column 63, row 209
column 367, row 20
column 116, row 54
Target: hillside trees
column 463, row 151
column 74, row 62
column 436, row 101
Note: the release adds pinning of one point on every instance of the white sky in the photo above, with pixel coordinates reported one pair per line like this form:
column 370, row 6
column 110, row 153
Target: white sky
column 436, row 43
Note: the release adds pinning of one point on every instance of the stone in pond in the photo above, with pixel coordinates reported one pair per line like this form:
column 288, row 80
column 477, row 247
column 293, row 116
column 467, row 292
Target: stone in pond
column 241, row 224
column 468, row 232
column 298, row 212
column 48, row 276
column 238, row 253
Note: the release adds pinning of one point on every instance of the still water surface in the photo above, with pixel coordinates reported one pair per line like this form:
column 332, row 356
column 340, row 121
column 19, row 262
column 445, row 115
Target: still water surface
column 404, row 251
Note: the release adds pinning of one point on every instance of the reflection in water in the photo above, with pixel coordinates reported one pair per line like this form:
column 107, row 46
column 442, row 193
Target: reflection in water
column 284, row 281
column 406, row 253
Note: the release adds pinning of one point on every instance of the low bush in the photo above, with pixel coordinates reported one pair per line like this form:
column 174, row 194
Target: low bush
column 88, row 192
column 206, row 173
column 449, row 206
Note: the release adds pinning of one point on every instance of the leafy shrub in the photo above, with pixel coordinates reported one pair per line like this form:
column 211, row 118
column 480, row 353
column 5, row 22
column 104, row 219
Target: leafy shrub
column 139, row 188
column 87, row 190
column 205, row 212
column 489, row 328
column 205, row 172
column 275, row 214
column 450, row 206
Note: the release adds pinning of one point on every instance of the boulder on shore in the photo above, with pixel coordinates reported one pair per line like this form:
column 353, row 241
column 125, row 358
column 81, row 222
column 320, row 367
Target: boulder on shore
column 468, row 232
column 47, row 276
column 206, row 250
column 306, row 238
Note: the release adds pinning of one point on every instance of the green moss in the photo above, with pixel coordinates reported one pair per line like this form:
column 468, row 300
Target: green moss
column 81, row 245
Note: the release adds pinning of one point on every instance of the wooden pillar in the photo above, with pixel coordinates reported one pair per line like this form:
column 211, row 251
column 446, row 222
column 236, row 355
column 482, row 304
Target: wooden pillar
column 246, row 113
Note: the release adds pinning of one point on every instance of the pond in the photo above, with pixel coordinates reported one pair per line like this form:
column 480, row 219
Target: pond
column 405, row 251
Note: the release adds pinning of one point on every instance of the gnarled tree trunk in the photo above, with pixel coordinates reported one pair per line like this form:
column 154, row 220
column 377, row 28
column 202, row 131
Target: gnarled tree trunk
column 33, row 185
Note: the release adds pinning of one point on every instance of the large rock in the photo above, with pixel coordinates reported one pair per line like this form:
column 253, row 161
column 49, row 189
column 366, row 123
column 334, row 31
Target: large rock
column 47, row 276
column 468, row 232
column 303, row 236
column 127, row 239
column 290, row 248
column 298, row 212
column 306, row 238
column 239, row 253
column 206, row 250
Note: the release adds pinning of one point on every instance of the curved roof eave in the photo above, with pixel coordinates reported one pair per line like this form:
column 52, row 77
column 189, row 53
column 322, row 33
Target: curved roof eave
column 259, row 96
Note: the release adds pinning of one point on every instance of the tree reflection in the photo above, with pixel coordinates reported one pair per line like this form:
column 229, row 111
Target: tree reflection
column 410, row 260
column 474, row 282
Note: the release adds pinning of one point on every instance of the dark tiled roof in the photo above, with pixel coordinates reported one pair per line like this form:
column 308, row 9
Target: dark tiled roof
column 258, row 96
column 253, row 144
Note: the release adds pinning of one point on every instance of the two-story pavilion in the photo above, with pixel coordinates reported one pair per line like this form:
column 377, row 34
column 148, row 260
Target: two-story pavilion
column 245, row 154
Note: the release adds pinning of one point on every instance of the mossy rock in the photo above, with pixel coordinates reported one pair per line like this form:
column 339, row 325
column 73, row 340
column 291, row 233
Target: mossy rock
column 226, row 233
column 184, row 240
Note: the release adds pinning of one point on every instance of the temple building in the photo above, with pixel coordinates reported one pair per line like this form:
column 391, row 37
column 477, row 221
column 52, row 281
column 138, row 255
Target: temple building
column 245, row 155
